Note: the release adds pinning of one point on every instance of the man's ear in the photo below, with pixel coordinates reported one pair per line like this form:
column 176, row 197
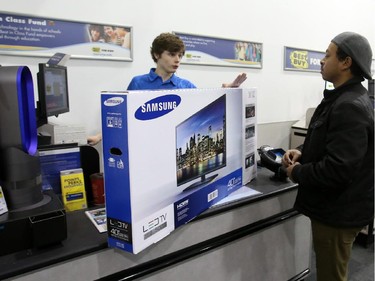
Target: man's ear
column 347, row 63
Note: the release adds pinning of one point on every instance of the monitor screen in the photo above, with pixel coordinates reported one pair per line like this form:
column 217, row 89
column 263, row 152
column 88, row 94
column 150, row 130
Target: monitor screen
column 201, row 144
column 52, row 91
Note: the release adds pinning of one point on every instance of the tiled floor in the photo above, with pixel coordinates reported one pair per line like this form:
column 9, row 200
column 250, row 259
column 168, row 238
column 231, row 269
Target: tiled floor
column 361, row 266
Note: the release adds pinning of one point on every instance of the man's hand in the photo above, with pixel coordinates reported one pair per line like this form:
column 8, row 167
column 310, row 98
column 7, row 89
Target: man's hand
column 237, row 82
column 289, row 170
column 93, row 140
column 290, row 157
column 290, row 160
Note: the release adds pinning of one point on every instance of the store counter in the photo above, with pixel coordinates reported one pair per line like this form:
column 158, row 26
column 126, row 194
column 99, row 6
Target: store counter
column 252, row 238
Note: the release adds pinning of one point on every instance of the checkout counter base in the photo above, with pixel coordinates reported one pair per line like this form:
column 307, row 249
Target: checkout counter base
column 256, row 238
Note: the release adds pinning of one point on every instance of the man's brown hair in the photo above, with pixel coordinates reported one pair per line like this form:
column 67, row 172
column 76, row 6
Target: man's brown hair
column 166, row 42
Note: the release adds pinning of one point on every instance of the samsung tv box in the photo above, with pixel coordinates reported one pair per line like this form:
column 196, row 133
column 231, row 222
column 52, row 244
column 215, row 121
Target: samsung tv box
column 170, row 155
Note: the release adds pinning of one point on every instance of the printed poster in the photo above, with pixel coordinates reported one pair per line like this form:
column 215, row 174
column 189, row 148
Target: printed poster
column 206, row 50
column 26, row 35
column 302, row 60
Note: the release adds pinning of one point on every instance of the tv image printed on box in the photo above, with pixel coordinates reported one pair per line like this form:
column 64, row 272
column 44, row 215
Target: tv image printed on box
column 201, row 145
column 168, row 156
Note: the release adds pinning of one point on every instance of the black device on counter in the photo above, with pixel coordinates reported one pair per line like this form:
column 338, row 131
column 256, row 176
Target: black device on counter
column 36, row 218
column 271, row 158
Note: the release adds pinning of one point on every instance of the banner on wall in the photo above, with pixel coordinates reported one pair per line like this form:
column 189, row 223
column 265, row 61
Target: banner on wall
column 302, row 60
column 25, row 35
column 206, row 50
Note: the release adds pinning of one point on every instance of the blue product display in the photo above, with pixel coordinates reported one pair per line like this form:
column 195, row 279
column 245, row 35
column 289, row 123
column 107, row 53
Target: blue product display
column 26, row 110
column 19, row 163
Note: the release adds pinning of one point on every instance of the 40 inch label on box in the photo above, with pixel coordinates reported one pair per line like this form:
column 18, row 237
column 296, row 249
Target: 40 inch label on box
column 119, row 230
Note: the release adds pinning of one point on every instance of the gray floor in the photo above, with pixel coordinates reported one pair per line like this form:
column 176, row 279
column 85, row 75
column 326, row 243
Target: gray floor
column 361, row 266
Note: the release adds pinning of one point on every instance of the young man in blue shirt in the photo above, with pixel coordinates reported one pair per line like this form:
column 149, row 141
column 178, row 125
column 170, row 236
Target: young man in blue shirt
column 166, row 51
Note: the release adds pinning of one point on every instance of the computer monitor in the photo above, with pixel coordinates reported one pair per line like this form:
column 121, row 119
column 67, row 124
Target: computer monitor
column 201, row 144
column 52, row 92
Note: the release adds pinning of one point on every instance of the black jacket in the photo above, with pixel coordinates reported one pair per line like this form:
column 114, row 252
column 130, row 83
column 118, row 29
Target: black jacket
column 336, row 178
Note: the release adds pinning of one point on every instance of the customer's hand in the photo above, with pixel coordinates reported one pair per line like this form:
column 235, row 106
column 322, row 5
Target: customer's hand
column 290, row 157
column 289, row 170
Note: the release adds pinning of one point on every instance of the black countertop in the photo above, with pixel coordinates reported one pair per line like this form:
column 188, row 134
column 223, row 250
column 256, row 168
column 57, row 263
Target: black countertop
column 84, row 238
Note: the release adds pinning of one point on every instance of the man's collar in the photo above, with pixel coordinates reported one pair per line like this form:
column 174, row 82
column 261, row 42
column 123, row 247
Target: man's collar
column 331, row 93
column 153, row 76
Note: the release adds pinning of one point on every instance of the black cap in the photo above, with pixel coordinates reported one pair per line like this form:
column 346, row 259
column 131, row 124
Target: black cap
column 358, row 48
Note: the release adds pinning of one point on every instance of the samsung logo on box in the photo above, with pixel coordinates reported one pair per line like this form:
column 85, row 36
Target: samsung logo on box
column 113, row 101
column 157, row 107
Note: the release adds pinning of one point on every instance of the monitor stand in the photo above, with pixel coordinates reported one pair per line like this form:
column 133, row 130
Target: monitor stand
column 202, row 182
column 44, row 139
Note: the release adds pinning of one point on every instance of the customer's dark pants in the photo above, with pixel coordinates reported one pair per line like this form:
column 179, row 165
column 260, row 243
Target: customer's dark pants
column 332, row 248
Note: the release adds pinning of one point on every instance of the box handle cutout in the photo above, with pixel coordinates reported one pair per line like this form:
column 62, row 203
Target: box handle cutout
column 115, row 151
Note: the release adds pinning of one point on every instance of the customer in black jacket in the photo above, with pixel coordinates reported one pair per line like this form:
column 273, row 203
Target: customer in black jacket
column 335, row 167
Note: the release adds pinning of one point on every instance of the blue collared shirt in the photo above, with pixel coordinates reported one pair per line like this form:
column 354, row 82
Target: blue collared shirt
column 152, row 81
